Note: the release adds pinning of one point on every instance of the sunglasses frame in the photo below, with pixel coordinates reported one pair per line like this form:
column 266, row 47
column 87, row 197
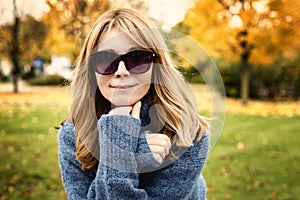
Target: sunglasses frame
column 126, row 59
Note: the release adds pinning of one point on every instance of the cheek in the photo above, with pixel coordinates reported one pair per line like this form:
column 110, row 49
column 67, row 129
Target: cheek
column 144, row 82
column 145, row 78
column 102, row 82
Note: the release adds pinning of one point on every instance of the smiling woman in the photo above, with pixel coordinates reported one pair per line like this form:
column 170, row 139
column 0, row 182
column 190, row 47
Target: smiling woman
column 134, row 133
column 125, row 79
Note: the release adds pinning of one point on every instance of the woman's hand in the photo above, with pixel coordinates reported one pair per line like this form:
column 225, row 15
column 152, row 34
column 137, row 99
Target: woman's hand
column 133, row 111
column 159, row 144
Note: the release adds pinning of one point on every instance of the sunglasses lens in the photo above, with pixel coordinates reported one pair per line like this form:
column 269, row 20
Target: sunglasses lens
column 107, row 62
column 139, row 61
column 104, row 62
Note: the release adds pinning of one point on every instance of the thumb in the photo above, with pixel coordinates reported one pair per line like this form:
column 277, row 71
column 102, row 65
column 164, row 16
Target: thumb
column 136, row 108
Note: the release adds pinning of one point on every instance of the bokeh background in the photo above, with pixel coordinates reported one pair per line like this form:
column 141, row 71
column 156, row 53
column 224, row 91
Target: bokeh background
column 255, row 45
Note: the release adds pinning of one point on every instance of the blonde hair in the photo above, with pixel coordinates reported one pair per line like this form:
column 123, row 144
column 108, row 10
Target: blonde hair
column 180, row 116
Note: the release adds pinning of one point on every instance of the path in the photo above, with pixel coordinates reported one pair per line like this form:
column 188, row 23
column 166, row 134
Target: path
column 23, row 87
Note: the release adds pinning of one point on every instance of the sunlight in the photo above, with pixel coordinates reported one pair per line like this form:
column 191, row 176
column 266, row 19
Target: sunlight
column 261, row 6
column 236, row 22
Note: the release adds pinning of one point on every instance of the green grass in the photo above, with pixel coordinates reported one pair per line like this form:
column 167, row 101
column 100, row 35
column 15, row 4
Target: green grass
column 255, row 157
column 28, row 156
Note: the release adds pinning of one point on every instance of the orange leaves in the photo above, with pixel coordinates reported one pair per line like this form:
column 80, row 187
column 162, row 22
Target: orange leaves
column 29, row 98
column 264, row 108
column 253, row 108
column 272, row 26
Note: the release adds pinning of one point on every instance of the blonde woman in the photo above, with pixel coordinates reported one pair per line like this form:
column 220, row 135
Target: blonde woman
column 133, row 132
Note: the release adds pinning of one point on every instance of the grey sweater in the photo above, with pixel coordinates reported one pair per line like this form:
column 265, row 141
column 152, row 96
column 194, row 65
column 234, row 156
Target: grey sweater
column 127, row 169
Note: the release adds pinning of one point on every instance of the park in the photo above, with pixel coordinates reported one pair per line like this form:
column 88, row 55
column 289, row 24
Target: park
column 255, row 48
column 256, row 156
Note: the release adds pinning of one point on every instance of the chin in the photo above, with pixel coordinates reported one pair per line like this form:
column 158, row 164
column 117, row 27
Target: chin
column 122, row 103
column 124, row 99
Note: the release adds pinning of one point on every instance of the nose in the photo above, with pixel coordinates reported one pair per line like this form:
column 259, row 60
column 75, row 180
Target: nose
column 122, row 71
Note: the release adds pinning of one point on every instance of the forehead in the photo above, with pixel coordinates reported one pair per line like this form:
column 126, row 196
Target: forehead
column 117, row 41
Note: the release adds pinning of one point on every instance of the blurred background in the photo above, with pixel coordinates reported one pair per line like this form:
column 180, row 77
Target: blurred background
column 255, row 45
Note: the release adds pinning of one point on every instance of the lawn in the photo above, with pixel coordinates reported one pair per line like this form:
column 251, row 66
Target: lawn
column 256, row 156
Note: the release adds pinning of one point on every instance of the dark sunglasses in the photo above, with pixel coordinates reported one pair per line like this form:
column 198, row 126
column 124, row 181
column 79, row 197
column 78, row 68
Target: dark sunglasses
column 136, row 61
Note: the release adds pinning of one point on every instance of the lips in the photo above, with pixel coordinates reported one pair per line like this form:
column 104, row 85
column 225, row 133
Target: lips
column 122, row 87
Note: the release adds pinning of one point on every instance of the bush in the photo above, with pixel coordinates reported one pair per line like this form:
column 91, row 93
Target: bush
column 28, row 75
column 232, row 80
column 280, row 80
column 3, row 78
column 48, row 80
column 277, row 81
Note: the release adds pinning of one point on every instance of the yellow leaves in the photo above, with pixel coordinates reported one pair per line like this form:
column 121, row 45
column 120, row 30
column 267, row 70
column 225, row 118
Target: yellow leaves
column 272, row 27
column 27, row 101
column 24, row 126
column 240, row 145
column 34, row 120
column 264, row 108
column 254, row 108
column 41, row 137
column 10, row 149
column 224, row 172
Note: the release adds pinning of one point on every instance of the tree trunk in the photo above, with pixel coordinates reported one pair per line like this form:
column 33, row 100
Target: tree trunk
column 15, row 78
column 245, row 79
column 15, row 50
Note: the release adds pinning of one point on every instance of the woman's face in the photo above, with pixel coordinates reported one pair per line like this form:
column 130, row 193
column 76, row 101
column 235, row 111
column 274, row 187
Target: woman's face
column 122, row 88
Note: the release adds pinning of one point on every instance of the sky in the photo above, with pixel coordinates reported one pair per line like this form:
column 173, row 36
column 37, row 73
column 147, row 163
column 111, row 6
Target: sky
column 169, row 12
column 34, row 7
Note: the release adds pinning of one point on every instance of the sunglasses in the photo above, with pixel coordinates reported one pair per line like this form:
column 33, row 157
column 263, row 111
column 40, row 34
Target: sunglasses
column 136, row 61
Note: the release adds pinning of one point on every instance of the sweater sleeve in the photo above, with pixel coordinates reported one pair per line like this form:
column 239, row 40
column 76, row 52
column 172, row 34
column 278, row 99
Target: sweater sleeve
column 75, row 180
column 117, row 176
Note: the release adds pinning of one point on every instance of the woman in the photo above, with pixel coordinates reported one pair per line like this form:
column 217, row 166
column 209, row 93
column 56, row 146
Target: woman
column 134, row 133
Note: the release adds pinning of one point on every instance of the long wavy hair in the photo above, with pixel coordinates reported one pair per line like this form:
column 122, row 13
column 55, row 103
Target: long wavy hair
column 169, row 89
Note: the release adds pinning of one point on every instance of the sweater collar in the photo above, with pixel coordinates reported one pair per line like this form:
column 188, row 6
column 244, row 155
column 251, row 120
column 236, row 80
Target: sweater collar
column 144, row 113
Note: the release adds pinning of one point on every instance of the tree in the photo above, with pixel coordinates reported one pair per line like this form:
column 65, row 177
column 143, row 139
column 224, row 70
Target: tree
column 69, row 22
column 252, row 32
column 32, row 35
column 13, row 47
column 21, row 41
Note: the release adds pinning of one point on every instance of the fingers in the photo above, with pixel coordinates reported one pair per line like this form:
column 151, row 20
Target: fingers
column 136, row 108
column 124, row 110
column 160, row 145
column 158, row 139
column 158, row 152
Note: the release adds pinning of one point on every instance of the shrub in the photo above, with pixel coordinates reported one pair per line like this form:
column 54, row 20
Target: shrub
column 280, row 80
column 48, row 80
column 3, row 78
column 277, row 81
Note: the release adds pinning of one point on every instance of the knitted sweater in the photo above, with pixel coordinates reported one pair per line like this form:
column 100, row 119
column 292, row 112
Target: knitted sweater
column 127, row 169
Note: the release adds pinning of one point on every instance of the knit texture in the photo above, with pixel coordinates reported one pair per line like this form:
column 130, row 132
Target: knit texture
column 127, row 169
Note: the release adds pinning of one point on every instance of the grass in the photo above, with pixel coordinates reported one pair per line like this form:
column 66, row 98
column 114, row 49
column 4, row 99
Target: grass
column 29, row 168
column 256, row 156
